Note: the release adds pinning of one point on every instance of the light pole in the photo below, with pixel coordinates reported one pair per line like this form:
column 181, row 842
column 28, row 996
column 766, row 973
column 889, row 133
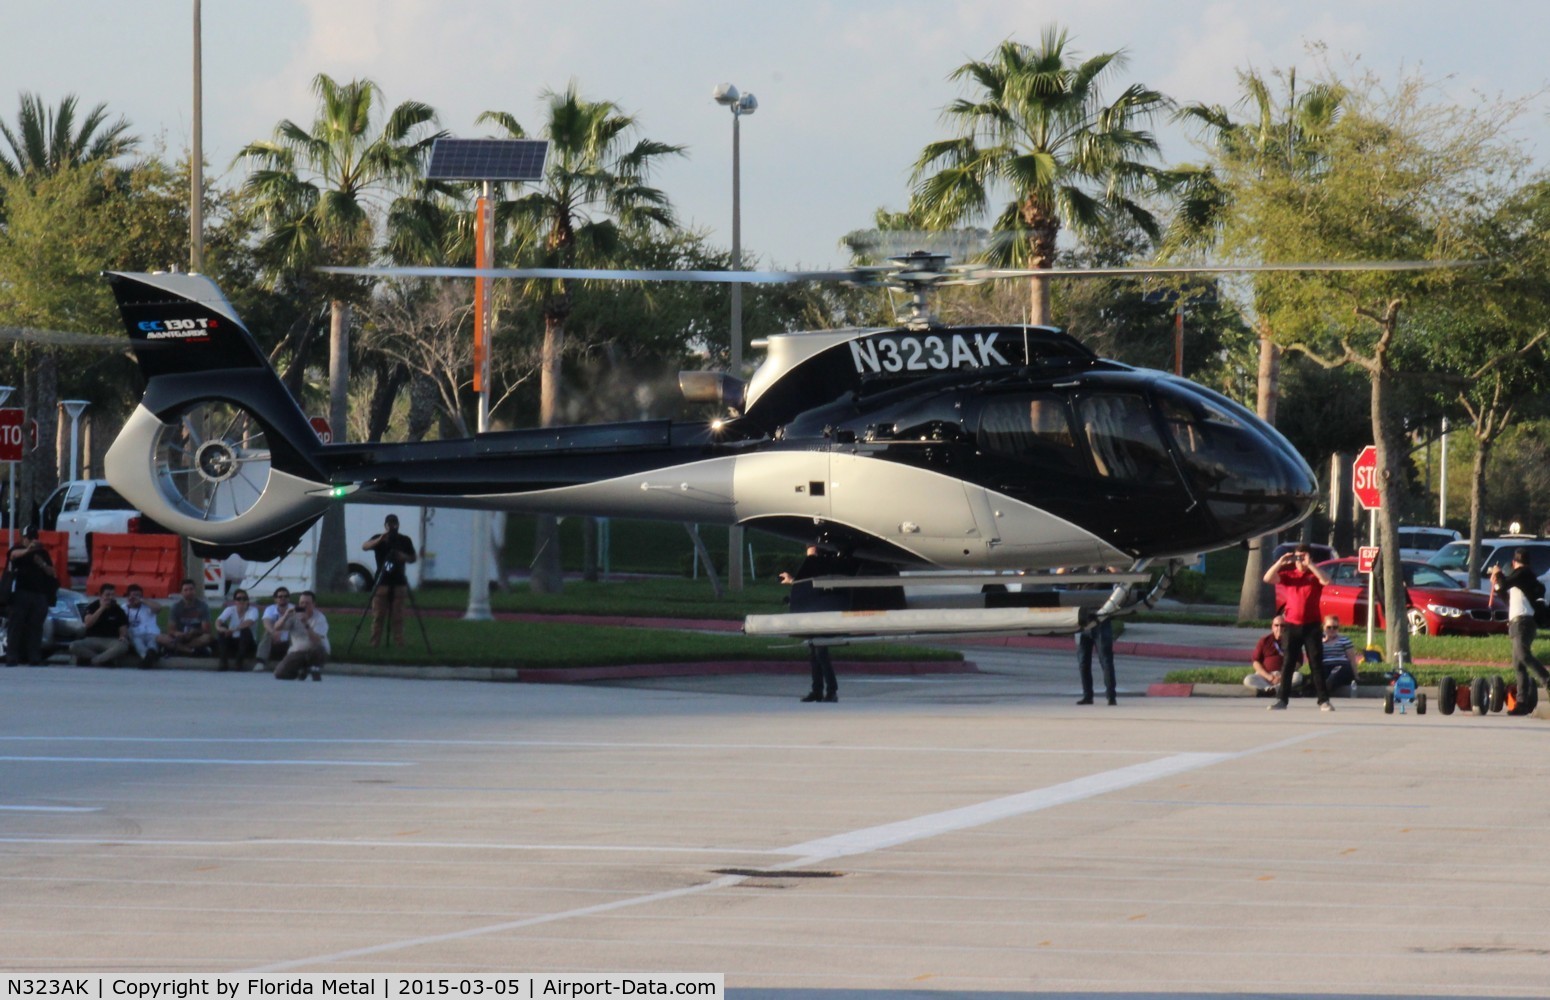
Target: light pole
column 74, row 407
column 739, row 104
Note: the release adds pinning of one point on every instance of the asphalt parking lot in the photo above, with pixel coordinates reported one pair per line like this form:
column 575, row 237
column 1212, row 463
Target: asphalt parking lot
column 969, row 834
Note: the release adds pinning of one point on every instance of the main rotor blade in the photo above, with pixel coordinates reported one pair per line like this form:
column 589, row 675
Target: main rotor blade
column 1136, row 272
column 722, row 277
column 63, row 338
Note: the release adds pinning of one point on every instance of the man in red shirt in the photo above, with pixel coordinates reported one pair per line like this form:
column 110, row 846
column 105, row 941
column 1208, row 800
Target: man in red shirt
column 1268, row 661
column 1299, row 585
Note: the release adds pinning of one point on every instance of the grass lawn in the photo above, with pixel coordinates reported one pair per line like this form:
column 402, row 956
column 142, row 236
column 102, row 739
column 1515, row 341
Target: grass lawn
column 1460, row 657
column 664, row 597
column 537, row 645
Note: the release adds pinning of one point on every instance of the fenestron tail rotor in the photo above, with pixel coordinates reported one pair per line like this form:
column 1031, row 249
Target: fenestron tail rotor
column 212, row 461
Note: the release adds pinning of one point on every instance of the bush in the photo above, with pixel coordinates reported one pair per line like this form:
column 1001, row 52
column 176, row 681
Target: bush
column 1189, row 586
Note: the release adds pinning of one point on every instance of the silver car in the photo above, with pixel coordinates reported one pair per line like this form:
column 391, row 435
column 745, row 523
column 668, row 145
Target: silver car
column 65, row 623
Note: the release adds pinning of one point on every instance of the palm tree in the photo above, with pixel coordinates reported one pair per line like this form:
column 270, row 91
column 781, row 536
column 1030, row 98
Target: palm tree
column 594, row 185
column 1288, row 136
column 320, row 195
column 47, row 141
column 1038, row 130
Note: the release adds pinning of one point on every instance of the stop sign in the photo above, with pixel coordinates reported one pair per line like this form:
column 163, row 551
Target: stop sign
column 324, row 432
column 1364, row 478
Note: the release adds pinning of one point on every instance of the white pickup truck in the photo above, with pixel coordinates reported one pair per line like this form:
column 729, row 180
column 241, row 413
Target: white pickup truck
column 84, row 507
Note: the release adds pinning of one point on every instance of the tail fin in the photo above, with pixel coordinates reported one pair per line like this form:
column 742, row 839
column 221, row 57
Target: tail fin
column 181, row 323
column 218, row 449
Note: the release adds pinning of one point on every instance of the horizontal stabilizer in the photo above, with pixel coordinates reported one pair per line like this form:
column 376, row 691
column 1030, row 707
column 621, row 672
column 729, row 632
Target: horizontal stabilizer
column 1028, row 580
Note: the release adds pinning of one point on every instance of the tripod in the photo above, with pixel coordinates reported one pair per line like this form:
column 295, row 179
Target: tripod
column 387, row 626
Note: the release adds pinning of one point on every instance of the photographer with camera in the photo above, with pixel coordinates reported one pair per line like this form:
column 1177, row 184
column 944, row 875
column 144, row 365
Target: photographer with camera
column 308, row 630
column 32, row 584
column 1299, row 586
column 394, row 551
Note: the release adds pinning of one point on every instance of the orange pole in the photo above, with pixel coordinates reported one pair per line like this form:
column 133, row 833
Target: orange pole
column 480, row 260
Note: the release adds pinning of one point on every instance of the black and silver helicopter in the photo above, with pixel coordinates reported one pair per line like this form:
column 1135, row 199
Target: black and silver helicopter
column 914, row 447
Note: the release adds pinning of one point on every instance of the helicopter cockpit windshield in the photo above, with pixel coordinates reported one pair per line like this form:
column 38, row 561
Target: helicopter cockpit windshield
column 1240, row 466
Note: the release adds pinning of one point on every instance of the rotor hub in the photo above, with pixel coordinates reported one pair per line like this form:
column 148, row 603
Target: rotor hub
column 216, row 461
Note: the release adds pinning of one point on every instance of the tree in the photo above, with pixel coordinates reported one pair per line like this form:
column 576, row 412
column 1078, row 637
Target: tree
column 1285, row 137
column 320, row 195
column 46, row 145
column 1038, row 129
column 1400, row 178
column 595, row 183
column 1491, row 352
column 49, row 140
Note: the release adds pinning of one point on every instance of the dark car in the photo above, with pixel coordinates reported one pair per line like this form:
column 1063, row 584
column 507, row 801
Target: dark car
column 1437, row 605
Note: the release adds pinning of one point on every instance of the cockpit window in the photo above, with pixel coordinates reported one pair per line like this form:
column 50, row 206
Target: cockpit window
column 1221, row 452
column 1125, row 442
column 1033, row 428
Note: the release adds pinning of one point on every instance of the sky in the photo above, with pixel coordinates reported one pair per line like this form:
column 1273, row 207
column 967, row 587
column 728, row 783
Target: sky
column 849, row 92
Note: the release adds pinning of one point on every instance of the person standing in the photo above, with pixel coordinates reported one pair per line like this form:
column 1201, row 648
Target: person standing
column 1521, row 588
column 309, row 640
column 33, row 586
column 107, row 631
column 234, row 639
column 806, row 597
column 1299, row 586
column 1100, row 635
column 394, row 551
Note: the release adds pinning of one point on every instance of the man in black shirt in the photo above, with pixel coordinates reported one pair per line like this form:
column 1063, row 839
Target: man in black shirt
column 1520, row 589
column 107, row 631
column 33, row 586
column 394, row 551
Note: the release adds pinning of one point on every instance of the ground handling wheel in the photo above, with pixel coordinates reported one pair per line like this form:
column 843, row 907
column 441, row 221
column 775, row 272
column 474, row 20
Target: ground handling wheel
column 1479, row 695
column 1498, row 694
column 1448, row 696
column 1388, row 703
column 1420, row 704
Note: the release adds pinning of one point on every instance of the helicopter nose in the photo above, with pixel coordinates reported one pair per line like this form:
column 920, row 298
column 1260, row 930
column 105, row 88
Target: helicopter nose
column 1274, row 491
column 1250, row 477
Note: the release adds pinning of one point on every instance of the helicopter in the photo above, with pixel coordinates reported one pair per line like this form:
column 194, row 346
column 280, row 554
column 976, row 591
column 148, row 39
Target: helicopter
column 955, row 455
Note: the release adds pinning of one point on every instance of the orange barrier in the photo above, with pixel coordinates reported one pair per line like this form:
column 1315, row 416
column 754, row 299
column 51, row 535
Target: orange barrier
column 155, row 562
column 58, row 545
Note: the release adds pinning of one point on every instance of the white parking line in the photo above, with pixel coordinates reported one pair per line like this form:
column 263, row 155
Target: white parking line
column 51, row 809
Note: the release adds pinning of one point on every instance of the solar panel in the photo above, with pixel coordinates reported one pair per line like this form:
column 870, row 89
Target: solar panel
column 487, row 159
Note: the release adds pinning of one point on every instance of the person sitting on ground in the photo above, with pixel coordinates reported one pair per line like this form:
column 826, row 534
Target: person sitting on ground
column 1339, row 656
column 234, row 638
column 1269, row 660
column 309, row 640
column 107, row 631
column 143, row 630
column 188, row 625
column 275, row 642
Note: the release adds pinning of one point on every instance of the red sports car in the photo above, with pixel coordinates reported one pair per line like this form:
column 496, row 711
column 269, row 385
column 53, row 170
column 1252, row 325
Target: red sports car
column 1438, row 604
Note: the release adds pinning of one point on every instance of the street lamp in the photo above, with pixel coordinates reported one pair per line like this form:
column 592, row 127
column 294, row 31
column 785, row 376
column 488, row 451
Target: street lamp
column 739, row 104
column 74, row 407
